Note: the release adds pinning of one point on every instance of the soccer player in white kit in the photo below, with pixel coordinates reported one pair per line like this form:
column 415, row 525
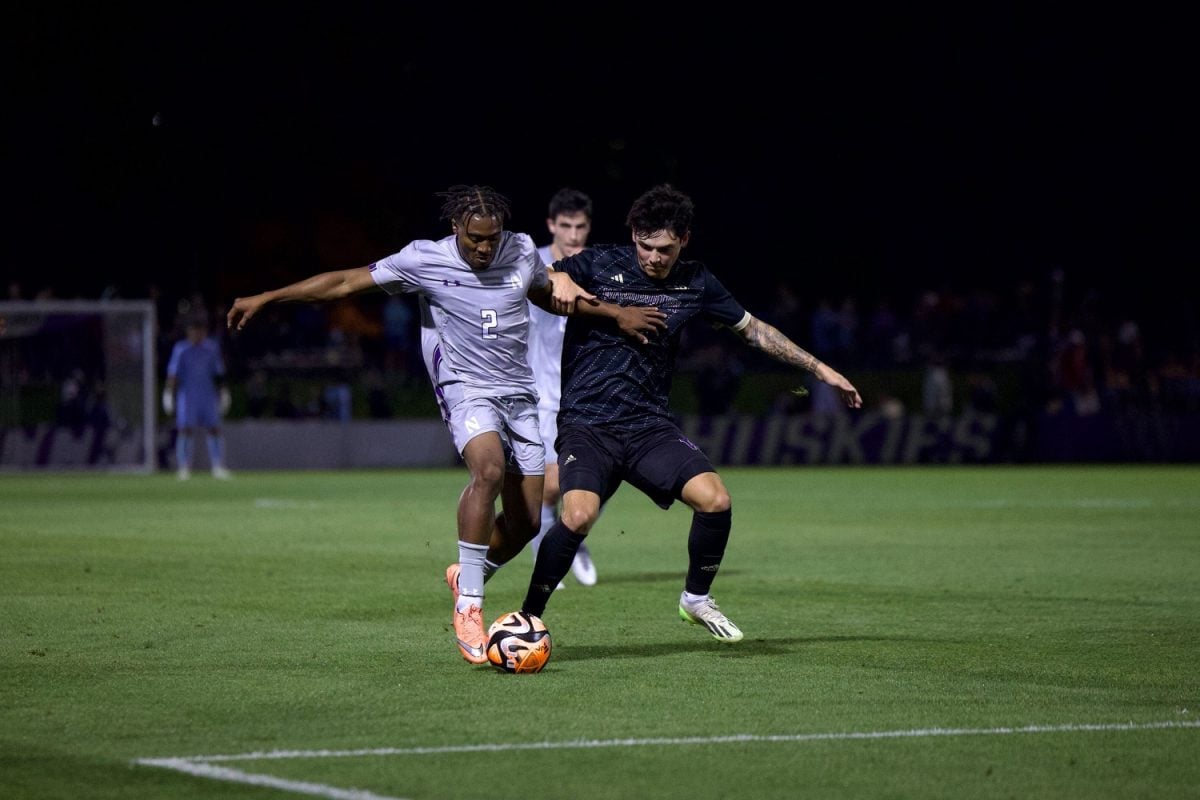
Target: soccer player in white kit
column 473, row 286
column 569, row 220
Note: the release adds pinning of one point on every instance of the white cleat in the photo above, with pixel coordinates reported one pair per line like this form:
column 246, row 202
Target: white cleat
column 707, row 613
column 582, row 567
column 183, row 474
column 221, row 474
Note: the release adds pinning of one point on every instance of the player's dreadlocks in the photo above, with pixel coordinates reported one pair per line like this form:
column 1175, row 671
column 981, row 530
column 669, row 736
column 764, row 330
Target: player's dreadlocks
column 467, row 201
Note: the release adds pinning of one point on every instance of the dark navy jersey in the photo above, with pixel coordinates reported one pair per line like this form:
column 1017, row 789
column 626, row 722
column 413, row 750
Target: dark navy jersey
column 609, row 378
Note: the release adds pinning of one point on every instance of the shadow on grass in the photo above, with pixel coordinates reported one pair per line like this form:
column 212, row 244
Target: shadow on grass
column 655, row 577
column 747, row 648
column 33, row 770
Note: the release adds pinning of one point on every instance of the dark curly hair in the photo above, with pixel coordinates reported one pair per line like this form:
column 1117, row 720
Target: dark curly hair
column 466, row 201
column 570, row 201
column 663, row 208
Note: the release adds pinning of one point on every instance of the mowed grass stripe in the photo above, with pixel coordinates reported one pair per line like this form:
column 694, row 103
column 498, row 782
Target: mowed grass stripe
column 143, row 616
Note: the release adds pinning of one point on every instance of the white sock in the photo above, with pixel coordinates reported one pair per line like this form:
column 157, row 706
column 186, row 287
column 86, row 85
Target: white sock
column 689, row 599
column 549, row 517
column 471, row 558
column 216, row 451
column 489, row 569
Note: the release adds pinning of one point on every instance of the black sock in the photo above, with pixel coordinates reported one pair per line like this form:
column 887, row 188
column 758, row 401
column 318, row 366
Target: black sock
column 706, row 548
column 553, row 563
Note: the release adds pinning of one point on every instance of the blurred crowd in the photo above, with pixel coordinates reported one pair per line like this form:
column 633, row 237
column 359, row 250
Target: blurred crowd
column 1029, row 348
column 1052, row 353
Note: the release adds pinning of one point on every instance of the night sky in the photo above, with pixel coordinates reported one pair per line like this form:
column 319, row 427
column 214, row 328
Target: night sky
column 863, row 153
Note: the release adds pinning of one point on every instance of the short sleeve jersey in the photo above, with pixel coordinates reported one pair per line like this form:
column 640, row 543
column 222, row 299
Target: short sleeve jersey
column 610, row 379
column 481, row 317
column 545, row 350
column 195, row 368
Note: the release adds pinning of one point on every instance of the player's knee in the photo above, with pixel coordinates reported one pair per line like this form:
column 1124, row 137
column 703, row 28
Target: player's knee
column 714, row 502
column 488, row 476
column 579, row 520
column 706, row 493
column 720, row 504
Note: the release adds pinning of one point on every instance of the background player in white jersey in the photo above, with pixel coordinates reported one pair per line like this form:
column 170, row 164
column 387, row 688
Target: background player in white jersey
column 569, row 221
column 474, row 284
column 195, row 393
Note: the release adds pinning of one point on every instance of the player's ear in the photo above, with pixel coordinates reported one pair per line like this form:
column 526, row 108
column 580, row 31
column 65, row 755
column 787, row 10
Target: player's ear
column 550, row 224
column 684, row 241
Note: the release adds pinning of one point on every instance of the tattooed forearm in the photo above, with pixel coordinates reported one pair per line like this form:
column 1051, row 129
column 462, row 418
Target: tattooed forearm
column 767, row 338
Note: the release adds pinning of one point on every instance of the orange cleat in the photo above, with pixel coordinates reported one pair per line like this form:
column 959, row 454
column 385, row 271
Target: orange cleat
column 468, row 634
column 468, row 624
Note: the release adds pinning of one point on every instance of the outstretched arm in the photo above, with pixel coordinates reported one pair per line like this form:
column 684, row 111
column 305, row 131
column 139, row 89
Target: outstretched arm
column 767, row 338
column 319, row 288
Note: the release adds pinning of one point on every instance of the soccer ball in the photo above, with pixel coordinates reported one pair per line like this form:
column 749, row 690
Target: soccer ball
column 518, row 642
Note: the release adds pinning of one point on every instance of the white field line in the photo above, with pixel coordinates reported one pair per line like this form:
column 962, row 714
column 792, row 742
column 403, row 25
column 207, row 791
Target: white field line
column 202, row 766
column 203, row 770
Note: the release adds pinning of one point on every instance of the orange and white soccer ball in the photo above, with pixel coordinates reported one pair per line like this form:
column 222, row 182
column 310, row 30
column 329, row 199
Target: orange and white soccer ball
column 518, row 642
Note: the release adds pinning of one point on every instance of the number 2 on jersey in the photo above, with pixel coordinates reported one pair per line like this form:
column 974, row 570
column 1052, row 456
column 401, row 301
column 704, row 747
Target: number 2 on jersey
column 489, row 323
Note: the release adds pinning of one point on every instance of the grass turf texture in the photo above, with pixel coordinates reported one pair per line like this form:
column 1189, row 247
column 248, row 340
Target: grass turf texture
column 143, row 617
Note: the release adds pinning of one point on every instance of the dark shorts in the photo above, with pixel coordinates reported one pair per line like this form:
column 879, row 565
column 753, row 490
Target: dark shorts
column 658, row 460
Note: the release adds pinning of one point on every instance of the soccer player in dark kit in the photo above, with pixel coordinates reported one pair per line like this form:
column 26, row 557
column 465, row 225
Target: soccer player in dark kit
column 613, row 423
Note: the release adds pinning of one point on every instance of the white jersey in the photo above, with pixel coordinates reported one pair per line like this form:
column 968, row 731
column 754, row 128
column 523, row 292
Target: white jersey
column 545, row 351
column 478, row 320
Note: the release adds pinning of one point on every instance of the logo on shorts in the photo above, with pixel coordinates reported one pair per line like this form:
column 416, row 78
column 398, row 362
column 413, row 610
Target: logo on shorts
column 570, row 458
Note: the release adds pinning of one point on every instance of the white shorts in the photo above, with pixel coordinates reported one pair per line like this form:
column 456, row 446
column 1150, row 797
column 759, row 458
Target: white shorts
column 548, row 428
column 515, row 419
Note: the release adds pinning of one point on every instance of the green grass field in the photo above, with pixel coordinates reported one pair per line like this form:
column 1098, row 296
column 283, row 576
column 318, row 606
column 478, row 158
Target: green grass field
column 925, row 632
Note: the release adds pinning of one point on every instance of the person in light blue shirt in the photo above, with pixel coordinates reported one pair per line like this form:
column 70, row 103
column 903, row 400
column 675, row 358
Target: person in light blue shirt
column 195, row 393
